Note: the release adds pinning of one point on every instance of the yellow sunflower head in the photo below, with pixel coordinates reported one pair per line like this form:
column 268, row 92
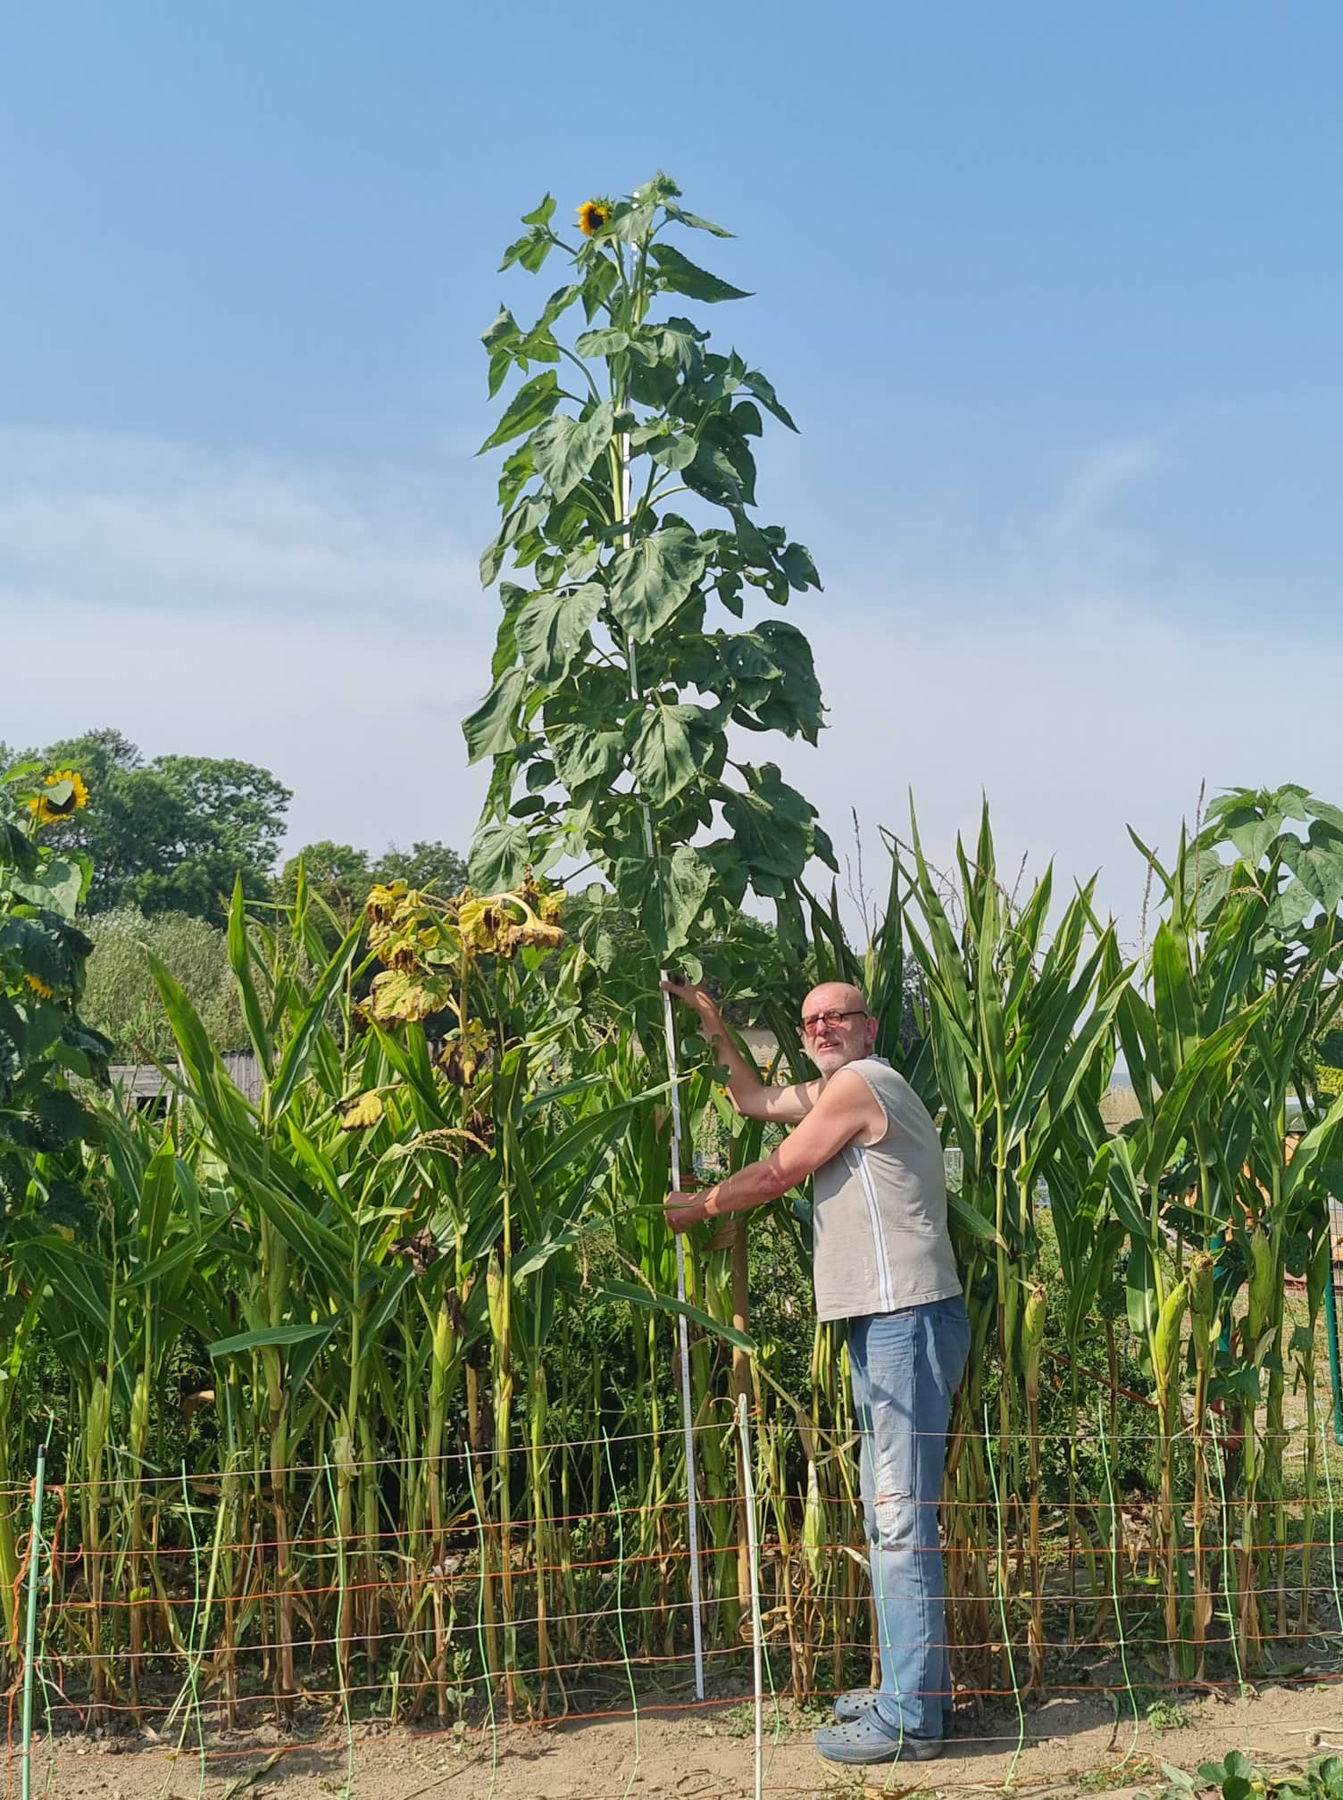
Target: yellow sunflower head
column 38, row 986
column 592, row 216
column 69, row 797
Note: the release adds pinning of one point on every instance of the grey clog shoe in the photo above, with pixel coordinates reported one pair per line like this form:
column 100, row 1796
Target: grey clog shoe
column 869, row 1739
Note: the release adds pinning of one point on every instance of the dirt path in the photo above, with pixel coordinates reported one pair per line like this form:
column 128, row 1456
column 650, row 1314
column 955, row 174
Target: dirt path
column 1073, row 1745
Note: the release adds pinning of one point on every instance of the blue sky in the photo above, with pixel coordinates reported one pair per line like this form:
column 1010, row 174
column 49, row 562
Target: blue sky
column 1053, row 292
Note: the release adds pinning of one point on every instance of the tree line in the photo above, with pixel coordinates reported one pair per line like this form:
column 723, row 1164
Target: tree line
column 168, row 836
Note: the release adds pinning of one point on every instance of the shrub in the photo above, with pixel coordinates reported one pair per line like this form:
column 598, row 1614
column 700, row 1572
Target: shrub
column 121, row 999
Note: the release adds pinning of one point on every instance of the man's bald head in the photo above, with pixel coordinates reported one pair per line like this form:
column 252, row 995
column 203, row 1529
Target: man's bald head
column 837, row 1025
column 835, row 994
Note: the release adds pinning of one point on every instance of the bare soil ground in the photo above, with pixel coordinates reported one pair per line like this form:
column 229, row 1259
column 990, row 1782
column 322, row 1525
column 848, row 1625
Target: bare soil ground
column 1073, row 1745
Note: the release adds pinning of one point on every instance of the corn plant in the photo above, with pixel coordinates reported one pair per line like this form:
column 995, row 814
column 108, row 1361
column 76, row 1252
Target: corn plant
column 1241, row 981
column 1016, row 1023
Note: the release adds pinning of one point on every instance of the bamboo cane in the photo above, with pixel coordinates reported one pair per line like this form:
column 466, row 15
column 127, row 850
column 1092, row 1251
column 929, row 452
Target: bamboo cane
column 757, row 1630
column 673, row 1075
column 30, row 1629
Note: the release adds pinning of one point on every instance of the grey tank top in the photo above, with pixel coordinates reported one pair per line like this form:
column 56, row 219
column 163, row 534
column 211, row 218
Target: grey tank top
column 880, row 1213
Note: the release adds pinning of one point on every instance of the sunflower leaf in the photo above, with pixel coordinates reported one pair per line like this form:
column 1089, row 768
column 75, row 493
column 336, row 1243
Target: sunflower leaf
column 582, row 754
column 60, row 883
column 564, row 449
column 608, row 341
column 693, row 220
column 503, row 330
column 490, row 728
column 763, row 390
column 534, row 401
column 680, row 276
column 772, row 824
column 550, row 629
column 654, row 578
column 668, row 750
column 674, row 452
column 498, row 858
column 669, row 892
column 795, row 561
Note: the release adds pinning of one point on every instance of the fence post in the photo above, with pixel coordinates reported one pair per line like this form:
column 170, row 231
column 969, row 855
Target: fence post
column 1331, row 1318
column 30, row 1629
column 757, row 1631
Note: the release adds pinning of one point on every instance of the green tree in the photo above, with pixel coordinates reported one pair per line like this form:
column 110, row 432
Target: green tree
column 245, row 804
column 172, row 834
column 421, row 865
column 337, row 874
column 1329, row 1064
column 121, row 996
column 340, row 875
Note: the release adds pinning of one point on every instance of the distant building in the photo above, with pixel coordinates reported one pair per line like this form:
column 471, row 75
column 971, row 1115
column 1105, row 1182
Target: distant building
column 142, row 1084
column 1119, row 1107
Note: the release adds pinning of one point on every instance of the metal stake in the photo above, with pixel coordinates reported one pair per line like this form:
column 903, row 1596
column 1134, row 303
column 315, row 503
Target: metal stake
column 673, row 1074
column 30, row 1630
column 757, row 1626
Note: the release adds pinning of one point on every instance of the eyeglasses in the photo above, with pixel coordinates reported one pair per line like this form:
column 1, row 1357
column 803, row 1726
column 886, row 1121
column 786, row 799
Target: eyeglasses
column 812, row 1025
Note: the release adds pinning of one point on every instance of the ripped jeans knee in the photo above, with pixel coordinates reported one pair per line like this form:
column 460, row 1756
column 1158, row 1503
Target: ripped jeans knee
column 893, row 1523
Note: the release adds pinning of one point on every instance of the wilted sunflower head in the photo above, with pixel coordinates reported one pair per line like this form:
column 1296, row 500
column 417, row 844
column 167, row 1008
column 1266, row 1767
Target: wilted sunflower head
column 463, row 1051
column 480, row 922
column 367, row 1111
column 71, row 795
column 537, row 935
column 383, row 900
column 592, row 216
column 38, row 986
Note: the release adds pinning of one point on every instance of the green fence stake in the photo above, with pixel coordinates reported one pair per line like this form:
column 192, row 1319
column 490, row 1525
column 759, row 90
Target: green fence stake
column 30, row 1632
column 1335, row 1376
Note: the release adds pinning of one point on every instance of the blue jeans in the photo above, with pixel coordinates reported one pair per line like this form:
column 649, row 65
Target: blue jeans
column 906, row 1367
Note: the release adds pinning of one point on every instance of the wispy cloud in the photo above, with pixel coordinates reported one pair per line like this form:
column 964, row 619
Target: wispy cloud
column 1102, row 474
column 335, row 632
column 1075, row 721
column 113, row 521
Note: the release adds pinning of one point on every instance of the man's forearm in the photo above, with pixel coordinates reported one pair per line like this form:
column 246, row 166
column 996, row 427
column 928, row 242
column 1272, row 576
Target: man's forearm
column 743, row 1077
column 754, row 1185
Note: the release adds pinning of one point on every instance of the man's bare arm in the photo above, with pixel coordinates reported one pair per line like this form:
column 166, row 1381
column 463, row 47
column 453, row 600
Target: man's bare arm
column 846, row 1113
column 751, row 1097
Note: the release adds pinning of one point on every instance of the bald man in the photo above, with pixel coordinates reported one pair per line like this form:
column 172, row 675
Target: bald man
column 883, row 1265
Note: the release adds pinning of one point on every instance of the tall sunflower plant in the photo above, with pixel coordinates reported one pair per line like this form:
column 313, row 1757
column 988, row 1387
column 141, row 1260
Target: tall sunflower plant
column 45, row 1120
column 43, row 1041
column 630, row 552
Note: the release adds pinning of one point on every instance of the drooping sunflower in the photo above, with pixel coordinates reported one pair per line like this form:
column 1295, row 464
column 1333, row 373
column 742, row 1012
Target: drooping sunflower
column 51, row 812
column 592, row 215
column 38, row 986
